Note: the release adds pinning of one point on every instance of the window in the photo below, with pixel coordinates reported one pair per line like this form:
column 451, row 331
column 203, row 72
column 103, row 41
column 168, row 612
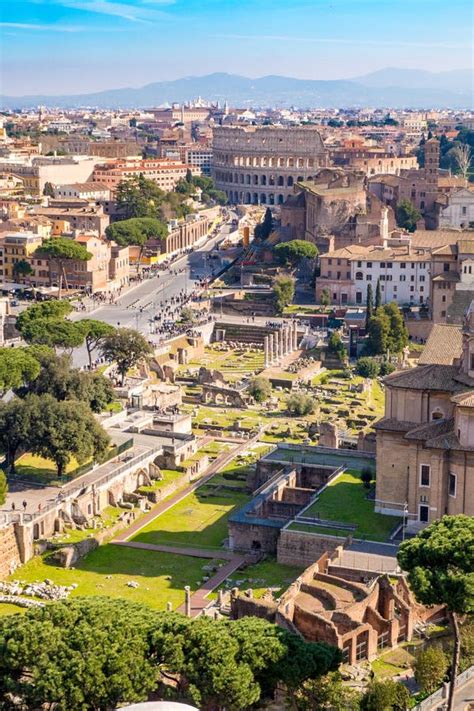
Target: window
column 403, row 277
column 389, row 265
column 443, row 314
column 359, row 264
column 452, row 484
column 368, row 277
column 403, row 265
column 369, row 265
column 464, row 210
column 425, row 471
column 359, row 276
column 445, row 267
column 424, row 514
column 443, row 298
column 472, row 362
column 382, row 265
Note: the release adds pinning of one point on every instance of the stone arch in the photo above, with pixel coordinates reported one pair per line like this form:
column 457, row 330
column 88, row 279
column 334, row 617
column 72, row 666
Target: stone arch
column 289, row 182
column 36, row 531
column 271, row 199
column 263, row 199
column 281, row 181
column 299, row 179
column 263, row 179
column 220, row 399
column 248, row 178
column 281, row 199
column 255, row 199
column 248, row 199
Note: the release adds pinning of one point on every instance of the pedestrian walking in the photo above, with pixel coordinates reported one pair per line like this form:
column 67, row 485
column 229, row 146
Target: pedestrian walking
column 25, row 504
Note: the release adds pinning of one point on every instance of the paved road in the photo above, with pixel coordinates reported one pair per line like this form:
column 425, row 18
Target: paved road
column 199, row 599
column 139, row 305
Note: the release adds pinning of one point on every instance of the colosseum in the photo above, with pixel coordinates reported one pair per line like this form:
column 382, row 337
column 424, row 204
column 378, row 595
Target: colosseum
column 260, row 164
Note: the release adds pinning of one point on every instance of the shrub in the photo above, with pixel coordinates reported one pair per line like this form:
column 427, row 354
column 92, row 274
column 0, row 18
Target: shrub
column 300, row 404
column 430, row 667
column 386, row 368
column 367, row 367
column 260, row 389
column 367, row 475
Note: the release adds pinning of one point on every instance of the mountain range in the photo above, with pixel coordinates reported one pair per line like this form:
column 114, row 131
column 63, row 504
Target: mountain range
column 390, row 87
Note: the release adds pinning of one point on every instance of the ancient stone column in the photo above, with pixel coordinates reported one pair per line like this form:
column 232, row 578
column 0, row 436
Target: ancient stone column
column 169, row 606
column 221, row 597
column 270, row 349
column 187, row 601
column 266, row 361
column 295, row 337
column 280, row 343
column 287, row 340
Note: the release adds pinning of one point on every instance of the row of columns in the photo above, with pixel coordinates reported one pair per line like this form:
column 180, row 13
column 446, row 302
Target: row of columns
column 279, row 344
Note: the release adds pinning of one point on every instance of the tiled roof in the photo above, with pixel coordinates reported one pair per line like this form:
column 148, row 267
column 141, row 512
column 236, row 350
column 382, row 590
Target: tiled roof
column 443, row 346
column 428, row 430
column 389, row 423
column 428, row 377
column 464, row 399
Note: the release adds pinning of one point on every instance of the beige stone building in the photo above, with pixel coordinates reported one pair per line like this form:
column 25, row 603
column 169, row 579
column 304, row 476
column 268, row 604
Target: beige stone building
column 425, row 441
column 261, row 164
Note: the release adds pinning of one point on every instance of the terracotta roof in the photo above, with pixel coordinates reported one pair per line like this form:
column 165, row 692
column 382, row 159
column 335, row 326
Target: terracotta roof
column 441, row 378
column 443, row 347
column 439, row 238
column 464, row 399
column 448, row 441
column 389, row 423
column 429, row 430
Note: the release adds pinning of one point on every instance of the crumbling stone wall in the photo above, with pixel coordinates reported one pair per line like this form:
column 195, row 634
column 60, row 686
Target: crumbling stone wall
column 299, row 548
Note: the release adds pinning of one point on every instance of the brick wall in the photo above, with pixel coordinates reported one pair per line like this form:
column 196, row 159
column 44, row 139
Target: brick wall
column 9, row 553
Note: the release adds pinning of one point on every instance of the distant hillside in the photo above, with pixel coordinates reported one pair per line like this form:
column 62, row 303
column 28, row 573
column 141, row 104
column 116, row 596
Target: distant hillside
column 400, row 88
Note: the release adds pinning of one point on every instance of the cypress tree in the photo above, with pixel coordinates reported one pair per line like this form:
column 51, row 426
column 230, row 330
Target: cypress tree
column 378, row 295
column 370, row 305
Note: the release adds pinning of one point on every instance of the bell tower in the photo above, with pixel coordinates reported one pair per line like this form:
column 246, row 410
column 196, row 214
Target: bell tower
column 432, row 162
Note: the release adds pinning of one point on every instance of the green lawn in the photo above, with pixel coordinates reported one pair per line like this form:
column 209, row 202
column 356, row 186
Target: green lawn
column 6, row 608
column 199, row 520
column 345, row 500
column 264, row 575
column 32, row 466
column 161, row 576
column 321, row 530
column 109, row 517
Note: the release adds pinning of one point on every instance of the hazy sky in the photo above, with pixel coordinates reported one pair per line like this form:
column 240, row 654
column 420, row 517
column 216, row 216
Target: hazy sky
column 71, row 46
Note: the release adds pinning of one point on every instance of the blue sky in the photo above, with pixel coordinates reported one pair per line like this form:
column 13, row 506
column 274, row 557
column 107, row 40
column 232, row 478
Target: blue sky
column 71, row 46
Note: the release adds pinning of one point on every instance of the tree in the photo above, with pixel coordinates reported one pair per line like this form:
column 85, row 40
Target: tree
column 232, row 664
column 378, row 295
column 385, row 696
column 3, row 488
column 63, row 252
column 91, row 654
column 430, row 666
column 17, row 367
column 136, row 232
column 462, row 155
column 291, row 253
column 260, row 389
column 138, row 197
column 48, row 189
column 22, row 268
column 336, row 346
column 328, row 692
column 264, row 228
column 300, row 404
column 378, row 337
column 45, row 324
column 367, row 367
column 369, row 304
column 18, row 420
column 188, row 315
column 69, row 429
column 439, row 561
column 407, row 215
column 283, row 292
column 59, row 379
column 325, row 298
column 94, row 333
column 126, row 348
column 398, row 337
column 367, row 475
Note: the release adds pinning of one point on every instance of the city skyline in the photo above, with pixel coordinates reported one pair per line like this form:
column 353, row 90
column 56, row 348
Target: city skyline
column 72, row 46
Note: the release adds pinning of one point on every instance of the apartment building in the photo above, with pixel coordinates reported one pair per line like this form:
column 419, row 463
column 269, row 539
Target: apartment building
column 69, row 214
column 35, row 172
column 17, row 247
column 165, row 172
column 403, row 273
column 82, row 191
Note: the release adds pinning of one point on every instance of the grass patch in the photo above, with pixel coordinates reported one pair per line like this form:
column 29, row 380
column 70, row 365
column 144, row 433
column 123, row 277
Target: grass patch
column 109, row 517
column 345, row 500
column 32, row 466
column 161, row 577
column 264, row 575
column 199, row 520
column 6, row 608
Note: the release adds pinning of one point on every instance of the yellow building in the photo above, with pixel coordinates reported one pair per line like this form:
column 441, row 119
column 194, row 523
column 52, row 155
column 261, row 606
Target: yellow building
column 16, row 247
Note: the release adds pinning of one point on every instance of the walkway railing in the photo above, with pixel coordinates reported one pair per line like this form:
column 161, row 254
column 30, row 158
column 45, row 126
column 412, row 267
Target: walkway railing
column 439, row 696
